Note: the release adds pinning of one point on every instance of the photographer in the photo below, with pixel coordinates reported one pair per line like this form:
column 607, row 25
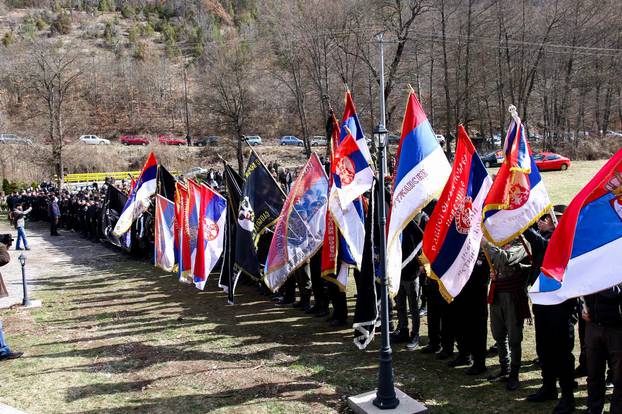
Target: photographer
column 5, row 243
column 19, row 219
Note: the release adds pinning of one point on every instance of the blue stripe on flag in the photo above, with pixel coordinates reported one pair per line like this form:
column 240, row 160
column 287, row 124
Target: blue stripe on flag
column 418, row 144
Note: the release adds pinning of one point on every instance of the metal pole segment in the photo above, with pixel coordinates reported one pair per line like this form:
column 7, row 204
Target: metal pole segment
column 22, row 261
column 385, row 395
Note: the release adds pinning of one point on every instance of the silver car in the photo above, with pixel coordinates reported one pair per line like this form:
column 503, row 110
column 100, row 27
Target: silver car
column 93, row 140
column 14, row 139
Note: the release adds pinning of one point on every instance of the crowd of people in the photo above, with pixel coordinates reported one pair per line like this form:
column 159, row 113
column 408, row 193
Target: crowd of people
column 457, row 331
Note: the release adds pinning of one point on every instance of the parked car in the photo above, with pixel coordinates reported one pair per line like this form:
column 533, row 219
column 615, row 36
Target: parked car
column 291, row 140
column 393, row 139
column 252, row 139
column 132, row 139
column 209, row 140
column 93, row 140
column 194, row 171
column 496, row 140
column 318, row 141
column 171, row 139
column 493, row 159
column 616, row 134
column 440, row 139
column 14, row 139
column 549, row 161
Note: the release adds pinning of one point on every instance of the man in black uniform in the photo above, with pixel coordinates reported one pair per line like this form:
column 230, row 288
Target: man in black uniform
column 471, row 319
column 554, row 325
column 603, row 343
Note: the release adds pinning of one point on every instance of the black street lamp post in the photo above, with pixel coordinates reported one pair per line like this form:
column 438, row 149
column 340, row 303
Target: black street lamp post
column 385, row 395
column 22, row 261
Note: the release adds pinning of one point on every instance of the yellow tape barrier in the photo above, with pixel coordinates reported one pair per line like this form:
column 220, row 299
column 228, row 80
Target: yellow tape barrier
column 90, row 177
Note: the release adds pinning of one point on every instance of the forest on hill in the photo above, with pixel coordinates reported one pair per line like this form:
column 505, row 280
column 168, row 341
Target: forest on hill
column 274, row 67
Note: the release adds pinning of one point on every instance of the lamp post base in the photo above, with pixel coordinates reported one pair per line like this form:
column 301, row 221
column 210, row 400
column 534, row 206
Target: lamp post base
column 32, row 304
column 364, row 404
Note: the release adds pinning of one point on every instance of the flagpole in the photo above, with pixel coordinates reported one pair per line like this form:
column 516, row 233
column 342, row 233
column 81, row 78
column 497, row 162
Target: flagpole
column 385, row 395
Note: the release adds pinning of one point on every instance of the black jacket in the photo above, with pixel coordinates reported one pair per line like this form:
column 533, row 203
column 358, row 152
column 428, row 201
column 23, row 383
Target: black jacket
column 605, row 308
column 538, row 242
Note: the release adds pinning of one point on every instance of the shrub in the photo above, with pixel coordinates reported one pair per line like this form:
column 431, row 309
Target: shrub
column 61, row 25
column 140, row 51
column 8, row 39
column 41, row 24
column 110, row 33
column 127, row 11
column 133, row 34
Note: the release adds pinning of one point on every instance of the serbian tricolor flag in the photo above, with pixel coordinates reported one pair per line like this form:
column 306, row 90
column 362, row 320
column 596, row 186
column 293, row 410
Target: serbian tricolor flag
column 182, row 233
column 518, row 197
column 164, row 237
column 451, row 240
column 349, row 217
column 211, row 212
column 584, row 252
column 138, row 200
column 353, row 176
column 421, row 171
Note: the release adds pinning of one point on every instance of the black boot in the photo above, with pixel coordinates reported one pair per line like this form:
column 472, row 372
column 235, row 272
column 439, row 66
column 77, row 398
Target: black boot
column 501, row 375
column 544, row 393
column 513, row 382
column 565, row 405
column 430, row 349
column 400, row 335
column 477, row 368
column 460, row 361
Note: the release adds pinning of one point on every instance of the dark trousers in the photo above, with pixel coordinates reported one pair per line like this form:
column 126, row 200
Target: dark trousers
column 289, row 290
column 471, row 321
column 318, row 285
column 54, row 226
column 440, row 329
column 554, row 344
column 602, row 344
column 339, row 301
column 303, row 280
column 407, row 301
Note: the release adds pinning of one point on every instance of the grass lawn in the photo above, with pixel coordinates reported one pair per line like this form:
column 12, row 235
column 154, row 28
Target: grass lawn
column 117, row 336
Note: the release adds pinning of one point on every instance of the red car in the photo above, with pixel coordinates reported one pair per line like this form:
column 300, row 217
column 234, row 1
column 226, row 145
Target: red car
column 549, row 161
column 134, row 140
column 171, row 139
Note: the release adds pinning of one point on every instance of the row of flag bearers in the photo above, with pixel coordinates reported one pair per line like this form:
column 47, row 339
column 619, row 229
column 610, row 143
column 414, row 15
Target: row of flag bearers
column 330, row 213
column 326, row 213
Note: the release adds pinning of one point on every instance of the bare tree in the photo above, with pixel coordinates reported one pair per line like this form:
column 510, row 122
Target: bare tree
column 230, row 79
column 53, row 74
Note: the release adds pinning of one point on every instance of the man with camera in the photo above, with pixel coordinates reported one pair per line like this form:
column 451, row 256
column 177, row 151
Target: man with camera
column 5, row 243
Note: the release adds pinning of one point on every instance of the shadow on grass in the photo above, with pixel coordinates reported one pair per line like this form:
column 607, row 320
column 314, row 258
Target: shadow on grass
column 123, row 317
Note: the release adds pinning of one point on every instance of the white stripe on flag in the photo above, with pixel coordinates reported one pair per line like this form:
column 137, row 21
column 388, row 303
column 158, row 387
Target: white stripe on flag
column 589, row 273
column 504, row 225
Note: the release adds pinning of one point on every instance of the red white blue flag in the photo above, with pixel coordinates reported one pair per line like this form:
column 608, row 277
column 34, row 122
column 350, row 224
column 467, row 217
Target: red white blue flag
column 518, row 197
column 138, row 200
column 299, row 231
column 164, row 243
column 584, row 252
column 421, row 171
column 349, row 217
column 353, row 174
column 451, row 239
column 206, row 220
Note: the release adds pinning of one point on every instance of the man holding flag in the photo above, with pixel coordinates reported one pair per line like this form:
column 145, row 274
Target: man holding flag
column 138, row 201
column 581, row 260
column 517, row 199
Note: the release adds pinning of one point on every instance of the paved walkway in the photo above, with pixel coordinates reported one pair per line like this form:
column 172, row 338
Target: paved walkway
column 36, row 264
